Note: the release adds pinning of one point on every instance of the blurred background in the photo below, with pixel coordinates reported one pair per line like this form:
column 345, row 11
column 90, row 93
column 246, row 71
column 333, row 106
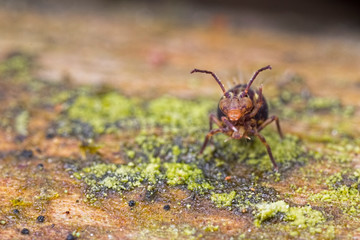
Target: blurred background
column 148, row 48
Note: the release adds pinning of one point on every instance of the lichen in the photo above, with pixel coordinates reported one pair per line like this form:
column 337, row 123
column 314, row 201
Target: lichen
column 177, row 114
column 101, row 112
column 21, row 123
column 342, row 193
column 16, row 67
column 223, row 199
column 186, row 174
column 112, row 112
column 286, row 152
column 100, row 178
column 300, row 217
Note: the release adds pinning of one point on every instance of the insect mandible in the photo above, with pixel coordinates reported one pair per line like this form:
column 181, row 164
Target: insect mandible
column 242, row 112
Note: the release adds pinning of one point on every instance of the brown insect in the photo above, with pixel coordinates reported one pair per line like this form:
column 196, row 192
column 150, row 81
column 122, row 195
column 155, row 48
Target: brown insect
column 242, row 112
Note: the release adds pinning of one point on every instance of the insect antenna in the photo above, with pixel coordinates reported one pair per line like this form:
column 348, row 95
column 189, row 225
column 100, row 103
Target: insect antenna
column 252, row 80
column 216, row 78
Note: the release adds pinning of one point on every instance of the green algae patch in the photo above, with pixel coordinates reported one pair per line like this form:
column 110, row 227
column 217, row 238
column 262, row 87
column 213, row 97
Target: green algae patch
column 101, row 111
column 286, row 152
column 320, row 103
column 300, row 217
column 186, row 174
column 223, row 199
column 178, row 114
column 112, row 112
column 344, row 197
column 101, row 178
column 21, row 123
column 343, row 192
column 17, row 67
column 20, row 202
column 342, row 151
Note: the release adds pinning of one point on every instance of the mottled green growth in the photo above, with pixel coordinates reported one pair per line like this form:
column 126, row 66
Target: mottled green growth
column 211, row 228
column 301, row 217
column 47, row 194
column 21, row 123
column 346, row 198
column 319, row 103
column 20, row 202
column 175, row 114
column 101, row 111
column 286, row 152
column 343, row 193
column 223, row 199
column 16, row 67
column 103, row 177
column 110, row 112
column 188, row 174
column 343, row 151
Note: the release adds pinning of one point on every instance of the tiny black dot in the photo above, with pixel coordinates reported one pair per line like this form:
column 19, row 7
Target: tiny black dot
column 50, row 135
column 167, row 207
column 25, row 231
column 40, row 166
column 40, row 218
column 131, row 203
column 16, row 211
column 27, row 153
column 70, row 237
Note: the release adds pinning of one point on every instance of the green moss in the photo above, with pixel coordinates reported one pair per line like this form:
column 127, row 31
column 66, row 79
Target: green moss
column 342, row 151
column 211, row 228
column 286, row 152
column 103, row 177
column 186, row 174
column 20, row 202
column 319, row 103
column 346, row 198
column 223, row 199
column 175, row 114
column 300, row 217
column 101, row 111
column 21, row 123
column 17, row 67
column 110, row 112
column 342, row 193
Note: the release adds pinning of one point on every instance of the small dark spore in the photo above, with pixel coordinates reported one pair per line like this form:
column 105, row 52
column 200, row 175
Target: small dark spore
column 131, row 203
column 40, row 218
column 27, row 153
column 40, row 166
column 167, row 207
column 25, row 231
column 70, row 237
column 16, row 211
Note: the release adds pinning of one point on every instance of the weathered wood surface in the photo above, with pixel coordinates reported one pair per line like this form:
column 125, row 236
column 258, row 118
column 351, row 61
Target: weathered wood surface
column 58, row 70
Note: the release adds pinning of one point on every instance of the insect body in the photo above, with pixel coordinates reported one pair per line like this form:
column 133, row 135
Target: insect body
column 242, row 112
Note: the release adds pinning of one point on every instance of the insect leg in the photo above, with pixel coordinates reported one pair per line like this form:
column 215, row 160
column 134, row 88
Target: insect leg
column 263, row 140
column 208, row 136
column 229, row 124
column 258, row 105
column 270, row 120
column 214, row 119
